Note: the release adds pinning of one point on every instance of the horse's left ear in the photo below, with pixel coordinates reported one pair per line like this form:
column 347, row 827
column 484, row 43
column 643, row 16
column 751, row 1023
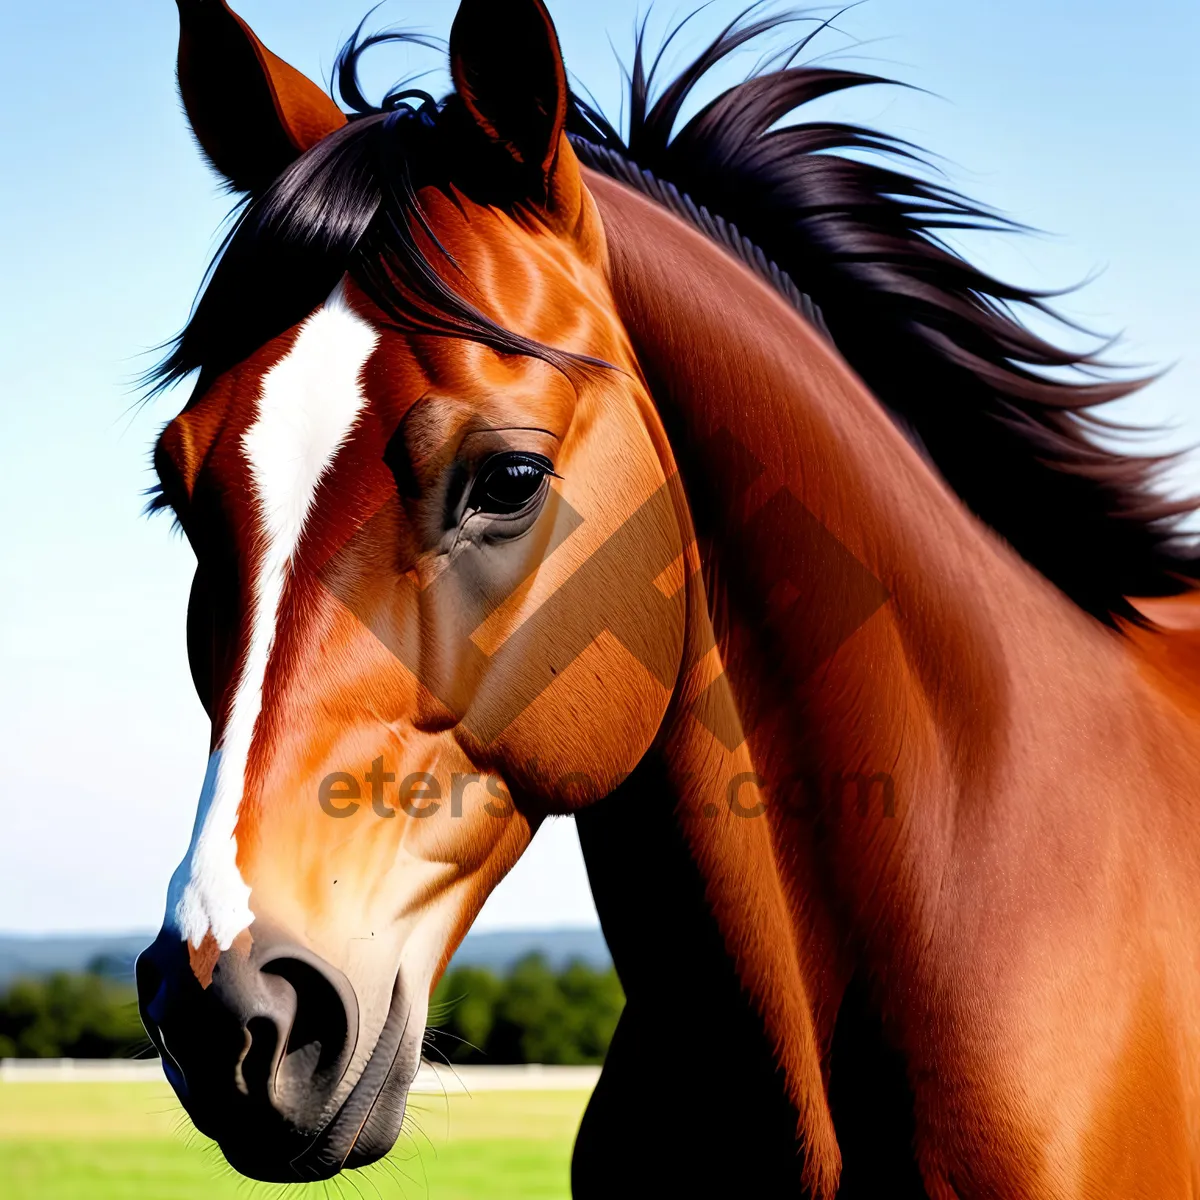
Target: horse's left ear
column 508, row 70
column 252, row 113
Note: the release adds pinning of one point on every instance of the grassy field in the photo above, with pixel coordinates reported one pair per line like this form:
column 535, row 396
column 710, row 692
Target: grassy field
column 130, row 1141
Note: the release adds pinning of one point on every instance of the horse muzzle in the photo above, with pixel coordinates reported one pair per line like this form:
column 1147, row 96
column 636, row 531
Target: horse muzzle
column 258, row 1055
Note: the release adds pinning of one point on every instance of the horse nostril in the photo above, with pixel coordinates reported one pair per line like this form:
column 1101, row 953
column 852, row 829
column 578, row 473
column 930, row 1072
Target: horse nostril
column 320, row 1029
column 253, row 1069
column 151, row 986
column 258, row 1049
column 147, row 977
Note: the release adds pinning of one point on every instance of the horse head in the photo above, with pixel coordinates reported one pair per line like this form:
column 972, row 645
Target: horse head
column 429, row 503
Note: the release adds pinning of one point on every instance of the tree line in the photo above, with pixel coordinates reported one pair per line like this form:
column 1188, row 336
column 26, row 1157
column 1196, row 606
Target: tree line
column 85, row 1015
column 528, row 1014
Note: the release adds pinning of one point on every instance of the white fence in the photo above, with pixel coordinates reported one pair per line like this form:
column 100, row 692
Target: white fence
column 79, row 1070
column 430, row 1079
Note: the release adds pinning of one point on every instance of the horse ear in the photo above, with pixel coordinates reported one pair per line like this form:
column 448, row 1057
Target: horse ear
column 252, row 113
column 508, row 70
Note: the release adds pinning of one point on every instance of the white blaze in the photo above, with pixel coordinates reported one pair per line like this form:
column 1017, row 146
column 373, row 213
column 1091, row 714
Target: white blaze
column 308, row 405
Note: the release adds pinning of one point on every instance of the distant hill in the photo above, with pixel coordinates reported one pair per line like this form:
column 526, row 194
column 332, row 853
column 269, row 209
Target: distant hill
column 32, row 956
column 114, row 954
column 557, row 946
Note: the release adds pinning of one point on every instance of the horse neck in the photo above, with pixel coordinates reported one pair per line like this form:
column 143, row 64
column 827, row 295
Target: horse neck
column 866, row 623
column 864, row 628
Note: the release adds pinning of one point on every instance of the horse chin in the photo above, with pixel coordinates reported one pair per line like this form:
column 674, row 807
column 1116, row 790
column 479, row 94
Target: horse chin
column 366, row 1125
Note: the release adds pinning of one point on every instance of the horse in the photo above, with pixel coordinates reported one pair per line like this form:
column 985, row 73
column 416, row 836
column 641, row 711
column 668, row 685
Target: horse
column 691, row 484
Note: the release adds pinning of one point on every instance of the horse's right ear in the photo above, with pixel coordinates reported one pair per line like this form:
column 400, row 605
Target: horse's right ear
column 508, row 70
column 251, row 112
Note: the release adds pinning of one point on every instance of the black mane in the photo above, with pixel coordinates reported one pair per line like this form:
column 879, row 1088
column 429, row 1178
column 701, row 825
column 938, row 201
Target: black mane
column 935, row 339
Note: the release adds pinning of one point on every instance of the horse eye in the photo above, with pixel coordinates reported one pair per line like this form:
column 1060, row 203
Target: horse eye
column 508, row 482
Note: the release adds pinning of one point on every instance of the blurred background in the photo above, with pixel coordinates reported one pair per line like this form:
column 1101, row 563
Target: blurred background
column 1077, row 118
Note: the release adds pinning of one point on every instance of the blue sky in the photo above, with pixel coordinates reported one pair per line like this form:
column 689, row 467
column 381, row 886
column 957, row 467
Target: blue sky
column 1081, row 119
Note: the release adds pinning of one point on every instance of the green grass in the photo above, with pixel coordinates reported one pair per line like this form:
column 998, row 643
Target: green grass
column 130, row 1141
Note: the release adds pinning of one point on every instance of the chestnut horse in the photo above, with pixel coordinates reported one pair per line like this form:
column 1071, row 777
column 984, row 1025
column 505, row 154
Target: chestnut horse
column 690, row 484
